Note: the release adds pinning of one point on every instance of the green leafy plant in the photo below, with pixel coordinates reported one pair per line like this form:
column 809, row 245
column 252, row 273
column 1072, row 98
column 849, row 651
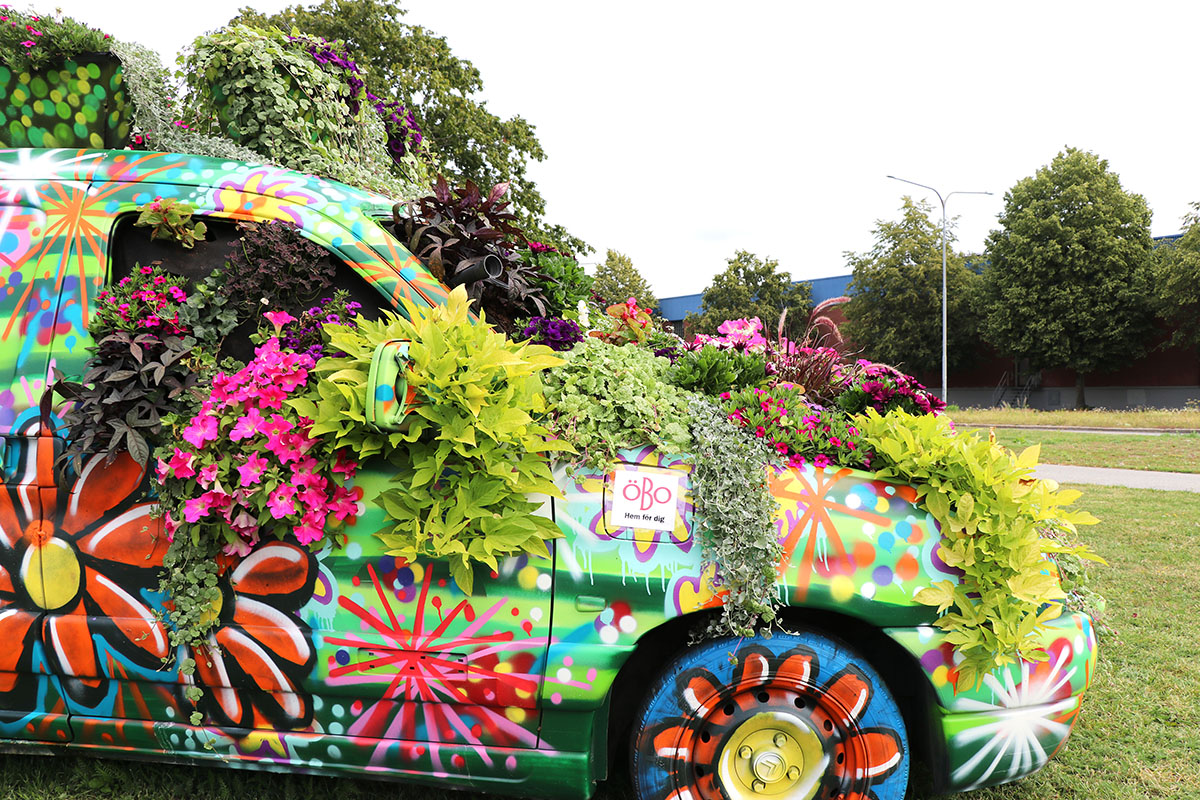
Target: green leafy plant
column 605, row 399
column 29, row 40
column 157, row 117
column 137, row 370
column 474, row 449
column 267, row 92
column 737, row 519
column 711, row 370
column 171, row 220
column 560, row 277
column 991, row 515
column 797, row 430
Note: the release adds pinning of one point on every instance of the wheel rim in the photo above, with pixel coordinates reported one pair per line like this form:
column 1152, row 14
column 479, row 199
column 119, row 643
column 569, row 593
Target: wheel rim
column 821, row 753
column 709, row 729
column 772, row 754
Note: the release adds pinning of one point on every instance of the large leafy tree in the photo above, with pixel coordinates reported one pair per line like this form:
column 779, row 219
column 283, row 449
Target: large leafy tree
column 750, row 286
column 617, row 280
column 895, row 309
column 415, row 66
column 1069, row 283
column 1178, row 281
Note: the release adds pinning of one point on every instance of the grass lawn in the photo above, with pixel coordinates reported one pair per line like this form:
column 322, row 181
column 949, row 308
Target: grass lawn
column 1176, row 452
column 1153, row 418
column 1138, row 735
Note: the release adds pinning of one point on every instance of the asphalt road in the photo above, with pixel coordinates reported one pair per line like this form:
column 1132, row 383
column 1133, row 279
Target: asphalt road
column 1133, row 478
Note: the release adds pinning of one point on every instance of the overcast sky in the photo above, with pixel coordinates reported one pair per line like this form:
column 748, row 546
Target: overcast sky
column 679, row 132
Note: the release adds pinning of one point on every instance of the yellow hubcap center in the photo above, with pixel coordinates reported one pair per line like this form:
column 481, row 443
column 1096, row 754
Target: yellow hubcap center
column 772, row 754
column 50, row 569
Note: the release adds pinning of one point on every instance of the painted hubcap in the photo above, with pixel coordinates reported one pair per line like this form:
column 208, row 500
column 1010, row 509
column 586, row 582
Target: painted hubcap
column 772, row 754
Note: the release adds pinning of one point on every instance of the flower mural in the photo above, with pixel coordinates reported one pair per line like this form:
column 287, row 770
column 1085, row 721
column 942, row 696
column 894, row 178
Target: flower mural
column 73, row 577
column 261, row 651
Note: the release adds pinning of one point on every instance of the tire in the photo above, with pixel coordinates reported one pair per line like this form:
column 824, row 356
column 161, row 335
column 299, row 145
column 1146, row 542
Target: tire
column 795, row 716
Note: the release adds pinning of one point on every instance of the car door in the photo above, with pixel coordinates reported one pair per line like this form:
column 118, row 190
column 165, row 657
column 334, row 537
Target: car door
column 45, row 231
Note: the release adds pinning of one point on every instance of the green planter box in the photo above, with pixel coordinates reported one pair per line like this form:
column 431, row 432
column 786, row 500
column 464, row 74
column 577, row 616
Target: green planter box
column 79, row 102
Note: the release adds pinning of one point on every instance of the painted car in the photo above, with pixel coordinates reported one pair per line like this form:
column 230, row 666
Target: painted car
column 348, row 661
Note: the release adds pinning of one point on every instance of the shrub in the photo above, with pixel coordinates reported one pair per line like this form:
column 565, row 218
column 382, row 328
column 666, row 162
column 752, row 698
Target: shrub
column 273, row 266
column 137, row 370
column 797, row 430
column 605, row 399
column 711, row 370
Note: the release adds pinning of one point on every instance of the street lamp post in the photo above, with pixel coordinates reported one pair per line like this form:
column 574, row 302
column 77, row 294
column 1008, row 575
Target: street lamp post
column 941, row 200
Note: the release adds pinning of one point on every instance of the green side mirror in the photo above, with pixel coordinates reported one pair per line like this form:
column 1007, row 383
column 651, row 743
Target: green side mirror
column 390, row 398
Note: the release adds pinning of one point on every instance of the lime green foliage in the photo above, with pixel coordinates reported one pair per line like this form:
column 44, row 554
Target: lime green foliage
column 172, row 220
column 474, row 449
column 990, row 513
column 268, row 93
column 606, row 399
column 339, row 406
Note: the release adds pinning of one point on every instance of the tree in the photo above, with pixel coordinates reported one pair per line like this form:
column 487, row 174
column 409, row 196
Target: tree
column 895, row 309
column 1178, row 281
column 1070, row 278
column 416, row 67
column 617, row 280
column 752, row 287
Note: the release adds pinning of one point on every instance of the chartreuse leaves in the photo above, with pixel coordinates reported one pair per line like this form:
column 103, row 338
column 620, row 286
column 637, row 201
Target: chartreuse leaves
column 992, row 515
column 474, row 450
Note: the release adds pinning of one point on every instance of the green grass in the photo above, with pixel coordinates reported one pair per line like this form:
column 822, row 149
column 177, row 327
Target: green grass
column 1176, row 452
column 1139, row 733
column 1138, row 736
column 1152, row 418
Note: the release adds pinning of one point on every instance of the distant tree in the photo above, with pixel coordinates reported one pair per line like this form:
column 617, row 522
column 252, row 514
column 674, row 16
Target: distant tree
column 748, row 287
column 1069, row 283
column 895, row 309
column 1178, row 281
column 617, row 280
column 416, row 67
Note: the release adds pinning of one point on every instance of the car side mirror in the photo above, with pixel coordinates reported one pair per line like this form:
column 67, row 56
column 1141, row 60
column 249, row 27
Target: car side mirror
column 390, row 398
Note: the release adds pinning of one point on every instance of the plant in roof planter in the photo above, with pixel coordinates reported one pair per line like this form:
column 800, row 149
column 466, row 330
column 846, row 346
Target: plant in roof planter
column 59, row 84
column 299, row 102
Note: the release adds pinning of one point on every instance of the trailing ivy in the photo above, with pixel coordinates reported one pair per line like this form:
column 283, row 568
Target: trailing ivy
column 605, row 399
column 736, row 519
column 991, row 514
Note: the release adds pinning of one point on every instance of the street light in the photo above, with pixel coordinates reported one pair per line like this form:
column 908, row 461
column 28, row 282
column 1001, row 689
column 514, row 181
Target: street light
column 942, row 200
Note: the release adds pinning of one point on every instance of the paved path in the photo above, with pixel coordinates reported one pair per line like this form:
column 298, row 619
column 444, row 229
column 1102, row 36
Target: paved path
column 1133, row 478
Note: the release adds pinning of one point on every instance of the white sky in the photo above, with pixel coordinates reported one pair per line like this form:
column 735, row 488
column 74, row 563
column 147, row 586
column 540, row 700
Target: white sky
column 678, row 132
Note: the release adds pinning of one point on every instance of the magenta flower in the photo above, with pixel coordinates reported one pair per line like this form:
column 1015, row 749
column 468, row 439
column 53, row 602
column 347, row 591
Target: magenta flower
column 279, row 319
column 282, row 502
column 195, row 508
column 247, row 426
column 180, row 464
column 203, row 429
column 252, row 471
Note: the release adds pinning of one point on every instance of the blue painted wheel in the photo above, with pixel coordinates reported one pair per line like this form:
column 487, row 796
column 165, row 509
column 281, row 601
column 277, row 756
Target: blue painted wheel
column 794, row 716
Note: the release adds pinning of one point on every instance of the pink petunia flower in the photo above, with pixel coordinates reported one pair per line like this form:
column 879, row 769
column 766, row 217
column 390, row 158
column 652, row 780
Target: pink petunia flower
column 252, row 471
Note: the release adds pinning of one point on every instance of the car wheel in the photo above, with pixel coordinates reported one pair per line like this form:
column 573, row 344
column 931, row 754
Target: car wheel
column 793, row 716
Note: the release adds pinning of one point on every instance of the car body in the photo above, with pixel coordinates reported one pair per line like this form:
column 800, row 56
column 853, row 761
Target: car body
column 347, row 661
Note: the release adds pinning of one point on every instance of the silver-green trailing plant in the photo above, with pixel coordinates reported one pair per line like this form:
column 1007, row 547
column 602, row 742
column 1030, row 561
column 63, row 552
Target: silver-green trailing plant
column 736, row 526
